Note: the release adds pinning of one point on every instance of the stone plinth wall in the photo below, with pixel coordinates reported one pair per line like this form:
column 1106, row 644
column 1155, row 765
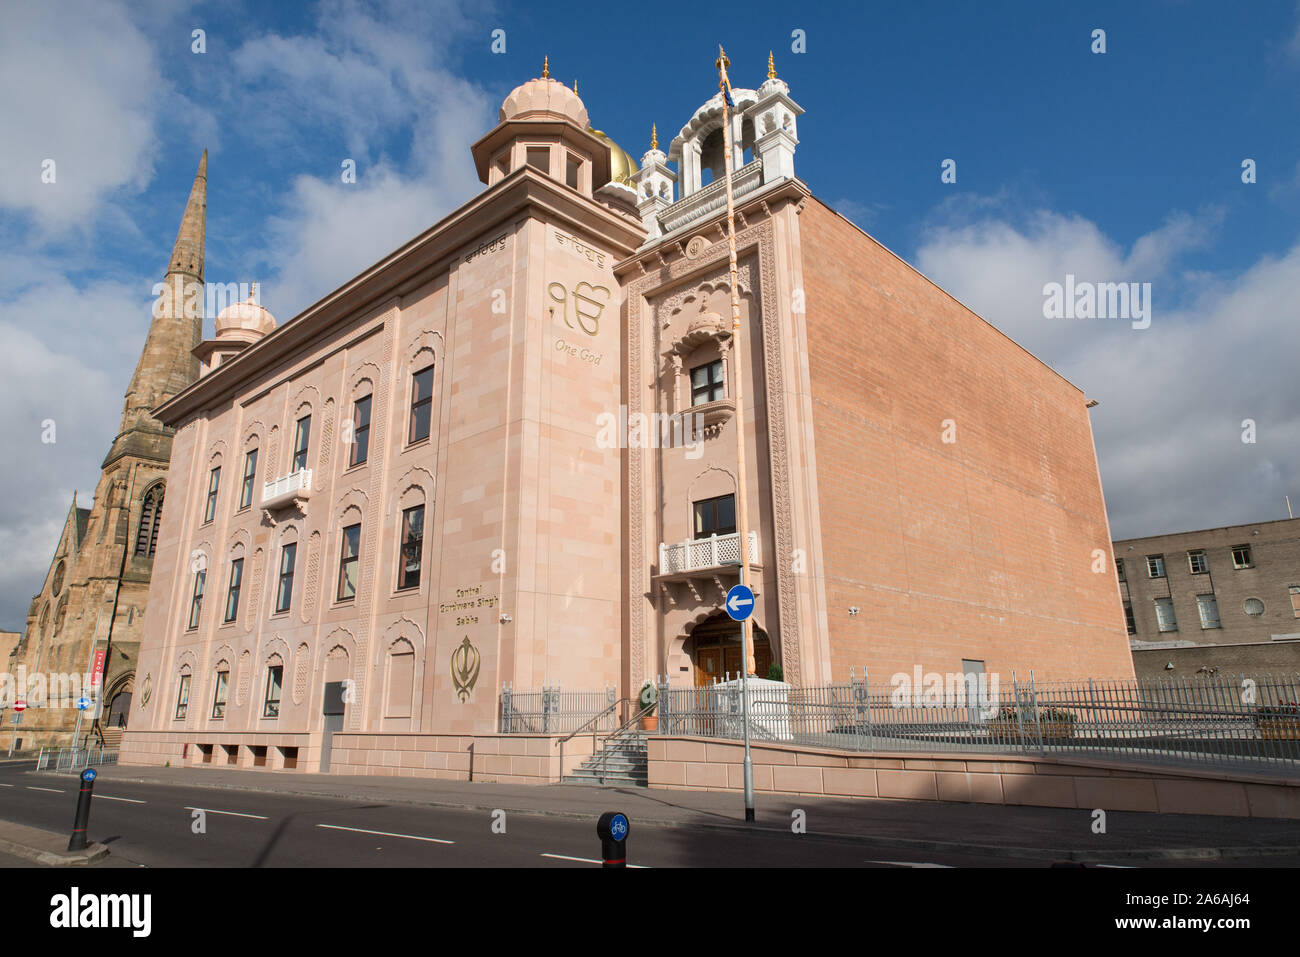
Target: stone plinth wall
column 159, row 748
column 1047, row 781
column 502, row 758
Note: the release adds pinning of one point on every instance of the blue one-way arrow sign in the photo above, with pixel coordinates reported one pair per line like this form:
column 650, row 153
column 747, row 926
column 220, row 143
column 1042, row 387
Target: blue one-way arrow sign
column 740, row 602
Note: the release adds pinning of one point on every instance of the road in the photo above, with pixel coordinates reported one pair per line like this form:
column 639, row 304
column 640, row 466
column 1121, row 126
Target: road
column 154, row 825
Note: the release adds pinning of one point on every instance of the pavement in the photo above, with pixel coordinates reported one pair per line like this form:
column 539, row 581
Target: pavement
column 33, row 845
column 990, row 832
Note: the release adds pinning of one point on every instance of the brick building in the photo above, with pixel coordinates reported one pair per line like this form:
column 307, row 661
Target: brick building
column 1219, row 599
column 506, row 453
column 86, row 619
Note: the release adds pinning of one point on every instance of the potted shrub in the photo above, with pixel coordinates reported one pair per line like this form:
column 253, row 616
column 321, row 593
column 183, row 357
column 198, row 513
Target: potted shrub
column 1053, row 724
column 1056, row 724
column 648, row 699
column 1278, row 722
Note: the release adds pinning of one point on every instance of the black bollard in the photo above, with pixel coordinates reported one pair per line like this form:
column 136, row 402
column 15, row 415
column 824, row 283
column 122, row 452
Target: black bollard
column 78, row 840
column 612, row 829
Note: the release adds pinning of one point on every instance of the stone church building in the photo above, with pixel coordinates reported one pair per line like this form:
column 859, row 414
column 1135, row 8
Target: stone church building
column 506, row 455
column 87, row 618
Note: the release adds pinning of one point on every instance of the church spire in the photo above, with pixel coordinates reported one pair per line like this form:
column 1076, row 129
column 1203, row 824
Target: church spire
column 167, row 363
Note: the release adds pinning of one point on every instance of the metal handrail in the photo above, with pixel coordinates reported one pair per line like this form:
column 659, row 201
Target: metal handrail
column 621, row 729
column 591, row 721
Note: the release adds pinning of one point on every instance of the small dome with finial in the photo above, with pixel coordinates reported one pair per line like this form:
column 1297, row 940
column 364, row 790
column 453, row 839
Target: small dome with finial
column 544, row 98
column 240, row 318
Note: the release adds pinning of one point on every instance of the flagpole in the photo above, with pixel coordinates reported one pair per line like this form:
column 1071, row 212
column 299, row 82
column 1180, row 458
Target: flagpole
column 738, row 380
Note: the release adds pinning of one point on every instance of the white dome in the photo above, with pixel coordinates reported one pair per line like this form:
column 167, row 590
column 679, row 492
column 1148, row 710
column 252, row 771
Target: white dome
column 246, row 316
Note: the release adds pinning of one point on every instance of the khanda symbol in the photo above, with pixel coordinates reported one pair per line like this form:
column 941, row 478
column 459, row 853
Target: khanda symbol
column 585, row 308
column 464, row 668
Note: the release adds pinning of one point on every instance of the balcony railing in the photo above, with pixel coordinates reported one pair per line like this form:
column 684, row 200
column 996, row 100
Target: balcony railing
column 712, row 552
column 284, row 490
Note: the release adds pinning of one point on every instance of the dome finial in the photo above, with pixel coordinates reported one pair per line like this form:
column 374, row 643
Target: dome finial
column 771, row 66
column 575, row 85
column 546, row 67
column 654, row 137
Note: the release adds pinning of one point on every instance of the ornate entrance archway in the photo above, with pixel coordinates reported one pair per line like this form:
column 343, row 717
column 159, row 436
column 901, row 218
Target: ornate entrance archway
column 118, row 701
column 713, row 647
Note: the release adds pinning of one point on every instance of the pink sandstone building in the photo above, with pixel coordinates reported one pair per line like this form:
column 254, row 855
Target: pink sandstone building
column 466, row 467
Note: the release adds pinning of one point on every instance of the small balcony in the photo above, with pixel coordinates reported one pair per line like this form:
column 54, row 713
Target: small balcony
column 292, row 487
column 704, row 554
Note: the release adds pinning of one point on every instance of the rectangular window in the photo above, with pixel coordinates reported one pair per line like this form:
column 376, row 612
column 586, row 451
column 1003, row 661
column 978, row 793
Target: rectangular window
column 214, row 480
column 706, row 383
column 715, row 516
column 360, row 431
column 1208, row 606
column 539, row 157
column 1165, row 614
column 408, row 572
column 572, row 167
column 1295, row 600
column 273, row 676
column 1129, row 618
column 1119, row 569
column 1155, row 566
column 348, row 562
column 300, row 442
column 421, row 404
column 1241, row 556
column 183, row 697
column 232, row 593
column 219, row 698
column 1197, row 563
column 284, row 594
column 250, row 479
column 196, row 602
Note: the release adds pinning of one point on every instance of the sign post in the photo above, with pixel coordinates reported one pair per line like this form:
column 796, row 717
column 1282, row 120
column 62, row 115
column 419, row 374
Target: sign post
column 740, row 605
column 19, row 707
column 612, row 829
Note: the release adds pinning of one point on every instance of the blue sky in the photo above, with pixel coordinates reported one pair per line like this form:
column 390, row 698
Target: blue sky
column 1122, row 166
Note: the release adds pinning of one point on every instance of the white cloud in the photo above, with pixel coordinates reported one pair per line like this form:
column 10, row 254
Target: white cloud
column 1172, row 397
column 82, row 85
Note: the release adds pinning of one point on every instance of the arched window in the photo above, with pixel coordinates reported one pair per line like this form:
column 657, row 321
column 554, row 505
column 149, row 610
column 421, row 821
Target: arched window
column 150, row 518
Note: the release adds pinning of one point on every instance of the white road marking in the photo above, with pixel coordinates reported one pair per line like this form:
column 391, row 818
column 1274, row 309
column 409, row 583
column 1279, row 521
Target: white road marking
column 911, row 864
column 588, row 860
column 3, row 785
column 51, row 790
column 208, row 810
column 362, row 830
column 106, row 797
column 1126, row 867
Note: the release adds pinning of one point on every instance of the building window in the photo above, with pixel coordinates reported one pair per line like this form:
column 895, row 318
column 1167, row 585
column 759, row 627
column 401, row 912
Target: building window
column 421, row 404
column 219, row 698
column 706, row 383
column 183, row 697
column 214, row 481
column 1295, row 600
column 232, row 593
column 348, row 562
column 196, row 602
column 1253, row 607
column 1155, row 566
column 715, row 516
column 360, row 431
column 301, row 439
column 539, row 157
column 250, row 478
column 1241, row 556
column 284, row 594
column 1129, row 619
column 1119, row 569
column 150, row 517
column 1208, row 606
column 1165, row 614
column 1196, row 562
column 572, row 168
column 408, row 572
column 273, row 676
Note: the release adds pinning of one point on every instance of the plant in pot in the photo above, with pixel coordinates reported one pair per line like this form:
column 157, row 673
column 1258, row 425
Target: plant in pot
column 1279, row 721
column 648, row 699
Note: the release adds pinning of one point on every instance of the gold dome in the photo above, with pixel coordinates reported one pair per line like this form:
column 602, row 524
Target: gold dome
column 621, row 165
